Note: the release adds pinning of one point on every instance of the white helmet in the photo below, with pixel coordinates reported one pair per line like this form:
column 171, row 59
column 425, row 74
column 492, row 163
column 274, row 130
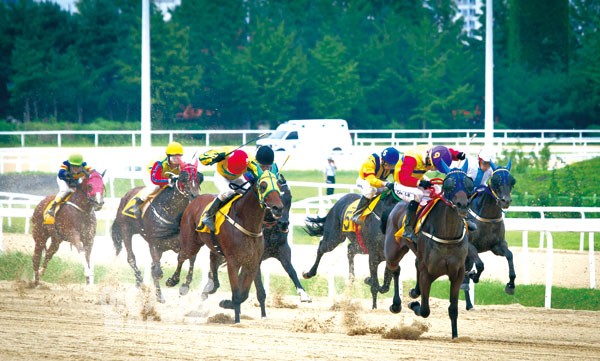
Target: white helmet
column 486, row 155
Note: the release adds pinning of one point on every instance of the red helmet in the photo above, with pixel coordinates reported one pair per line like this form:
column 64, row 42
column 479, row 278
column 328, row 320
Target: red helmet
column 237, row 162
column 440, row 154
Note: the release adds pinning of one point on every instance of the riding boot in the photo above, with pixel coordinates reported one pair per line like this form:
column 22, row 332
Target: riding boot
column 137, row 207
column 362, row 205
column 52, row 208
column 471, row 225
column 411, row 214
column 209, row 217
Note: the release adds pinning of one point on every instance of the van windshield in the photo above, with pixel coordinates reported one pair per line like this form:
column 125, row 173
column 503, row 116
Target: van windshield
column 279, row 134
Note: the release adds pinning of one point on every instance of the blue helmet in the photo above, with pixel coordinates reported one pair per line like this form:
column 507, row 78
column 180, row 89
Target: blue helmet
column 390, row 155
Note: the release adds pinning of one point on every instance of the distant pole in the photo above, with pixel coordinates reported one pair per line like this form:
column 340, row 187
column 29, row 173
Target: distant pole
column 146, row 141
column 489, row 74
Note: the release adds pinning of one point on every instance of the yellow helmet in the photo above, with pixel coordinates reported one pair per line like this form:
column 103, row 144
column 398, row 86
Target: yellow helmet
column 174, row 148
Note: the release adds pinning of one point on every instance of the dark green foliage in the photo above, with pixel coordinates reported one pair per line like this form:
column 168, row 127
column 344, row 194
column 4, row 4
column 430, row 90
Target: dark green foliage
column 253, row 63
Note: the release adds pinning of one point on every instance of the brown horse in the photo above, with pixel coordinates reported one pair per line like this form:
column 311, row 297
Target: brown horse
column 74, row 222
column 239, row 239
column 441, row 248
column 159, row 225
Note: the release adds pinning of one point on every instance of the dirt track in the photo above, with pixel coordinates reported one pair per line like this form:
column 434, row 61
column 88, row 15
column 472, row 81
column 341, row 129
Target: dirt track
column 119, row 322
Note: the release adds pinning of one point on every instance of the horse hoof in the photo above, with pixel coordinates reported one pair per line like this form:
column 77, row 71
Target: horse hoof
column 160, row 299
column 384, row 289
column 395, row 308
column 510, row 290
column 414, row 293
column 306, row 275
column 465, row 287
column 226, row 304
column 415, row 306
column 183, row 290
column 171, row 282
column 368, row 281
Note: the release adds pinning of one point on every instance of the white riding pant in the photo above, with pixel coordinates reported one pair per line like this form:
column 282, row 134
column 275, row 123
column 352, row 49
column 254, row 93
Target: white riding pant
column 63, row 189
column 149, row 189
column 417, row 194
column 365, row 188
column 222, row 185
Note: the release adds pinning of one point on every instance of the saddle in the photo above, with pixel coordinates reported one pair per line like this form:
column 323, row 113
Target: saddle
column 219, row 216
column 128, row 209
column 422, row 213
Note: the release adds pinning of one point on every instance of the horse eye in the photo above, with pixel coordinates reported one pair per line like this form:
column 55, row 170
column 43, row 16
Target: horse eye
column 512, row 181
column 448, row 185
column 495, row 182
column 469, row 185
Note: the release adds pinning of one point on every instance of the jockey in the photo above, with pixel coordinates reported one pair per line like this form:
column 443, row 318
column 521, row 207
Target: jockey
column 413, row 186
column 71, row 170
column 373, row 176
column 163, row 173
column 481, row 170
column 263, row 161
column 231, row 166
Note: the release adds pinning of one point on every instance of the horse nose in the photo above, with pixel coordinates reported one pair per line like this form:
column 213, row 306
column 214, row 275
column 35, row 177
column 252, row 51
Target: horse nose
column 276, row 211
column 506, row 200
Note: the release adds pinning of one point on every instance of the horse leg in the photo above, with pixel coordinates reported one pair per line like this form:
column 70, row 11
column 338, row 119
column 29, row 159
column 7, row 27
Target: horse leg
column 416, row 291
column 184, row 289
column 285, row 258
column 234, row 281
column 131, row 260
column 325, row 245
column 465, row 286
column 213, row 283
column 261, row 295
column 373, row 280
column 396, row 306
column 88, row 267
column 387, row 279
column 40, row 246
column 52, row 249
column 157, row 273
column 502, row 250
column 424, row 281
column 352, row 252
column 453, row 308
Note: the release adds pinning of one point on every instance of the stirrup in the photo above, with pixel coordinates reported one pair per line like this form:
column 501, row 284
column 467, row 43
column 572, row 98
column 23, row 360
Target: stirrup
column 409, row 234
column 356, row 219
column 471, row 226
column 209, row 223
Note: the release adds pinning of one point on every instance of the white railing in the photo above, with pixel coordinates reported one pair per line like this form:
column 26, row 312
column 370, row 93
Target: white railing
column 14, row 205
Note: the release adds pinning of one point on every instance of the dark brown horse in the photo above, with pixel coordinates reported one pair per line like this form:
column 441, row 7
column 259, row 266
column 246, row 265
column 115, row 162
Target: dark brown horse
column 441, row 248
column 336, row 226
column 74, row 222
column 486, row 210
column 239, row 239
column 159, row 225
column 275, row 232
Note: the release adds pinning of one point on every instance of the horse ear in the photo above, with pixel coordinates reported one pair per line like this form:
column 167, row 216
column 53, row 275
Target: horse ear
column 445, row 167
column 493, row 165
column 509, row 164
column 102, row 174
column 465, row 166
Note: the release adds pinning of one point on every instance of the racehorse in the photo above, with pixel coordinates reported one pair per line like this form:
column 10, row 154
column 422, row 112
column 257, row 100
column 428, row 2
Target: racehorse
column 275, row 232
column 239, row 239
column 74, row 222
column 336, row 226
column 159, row 225
column 486, row 210
column 441, row 247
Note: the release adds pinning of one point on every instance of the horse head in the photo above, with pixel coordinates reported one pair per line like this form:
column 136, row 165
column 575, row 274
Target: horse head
column 457, row 187
column 189, row 180
column 269, row 195
column 501, row 184
column 93, row 187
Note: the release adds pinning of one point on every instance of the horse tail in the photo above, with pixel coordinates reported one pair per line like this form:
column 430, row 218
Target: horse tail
column 117, row 237
column 314, row 226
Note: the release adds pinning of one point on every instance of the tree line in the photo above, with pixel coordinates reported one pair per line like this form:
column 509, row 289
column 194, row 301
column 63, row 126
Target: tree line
column 251, row 63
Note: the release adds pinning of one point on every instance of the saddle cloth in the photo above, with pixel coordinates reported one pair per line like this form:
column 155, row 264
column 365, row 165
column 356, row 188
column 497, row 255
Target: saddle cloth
column 347, row 224
column 219, row 216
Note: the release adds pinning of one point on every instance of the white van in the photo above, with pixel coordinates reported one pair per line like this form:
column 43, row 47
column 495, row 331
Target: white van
column 323, row 135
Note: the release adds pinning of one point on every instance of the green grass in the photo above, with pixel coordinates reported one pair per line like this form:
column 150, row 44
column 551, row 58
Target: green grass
column 17, row 266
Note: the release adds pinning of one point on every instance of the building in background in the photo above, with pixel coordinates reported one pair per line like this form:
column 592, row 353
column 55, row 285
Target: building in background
column 470, row 11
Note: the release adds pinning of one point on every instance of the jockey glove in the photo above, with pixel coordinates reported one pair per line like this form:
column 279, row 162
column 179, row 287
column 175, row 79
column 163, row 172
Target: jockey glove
column 173, row 180
column 461, row 156
column 424, row 184
column 282, row 180
column 390, row 185
column 218, row 158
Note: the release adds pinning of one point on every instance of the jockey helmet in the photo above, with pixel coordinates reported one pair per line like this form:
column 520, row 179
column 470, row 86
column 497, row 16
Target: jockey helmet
column 76, row 159
column 390, row 155
column 265, row 155
column 237, row 162
column 440, row 154
column 486, row 155
column 174, row 148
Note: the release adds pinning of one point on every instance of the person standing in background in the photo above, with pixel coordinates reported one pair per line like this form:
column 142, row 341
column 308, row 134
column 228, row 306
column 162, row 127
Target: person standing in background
column 329, row 172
